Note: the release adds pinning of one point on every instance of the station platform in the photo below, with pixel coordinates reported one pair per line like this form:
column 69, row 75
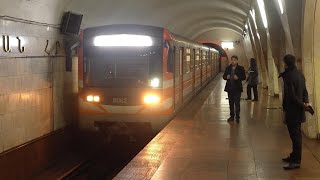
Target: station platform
column 200, row 144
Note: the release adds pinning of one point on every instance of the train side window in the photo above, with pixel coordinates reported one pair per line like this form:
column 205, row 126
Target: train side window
column 170, row 59
column 204, row 58
column 187, row 62
column 197, row 59
column 208, row 58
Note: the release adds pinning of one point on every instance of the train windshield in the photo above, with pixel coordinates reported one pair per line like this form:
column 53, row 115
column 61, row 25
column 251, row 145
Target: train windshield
column 123, row 66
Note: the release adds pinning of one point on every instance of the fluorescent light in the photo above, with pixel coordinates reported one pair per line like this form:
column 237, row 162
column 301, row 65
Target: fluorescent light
column 122, row 40
column 258, row 35
column 280, row 6
column 263, row 13
column 253, row 15
column 227, row 45
column 246, row 26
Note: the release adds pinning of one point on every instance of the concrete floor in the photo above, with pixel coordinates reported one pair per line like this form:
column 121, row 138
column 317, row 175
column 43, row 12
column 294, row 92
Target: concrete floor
column 200, row 144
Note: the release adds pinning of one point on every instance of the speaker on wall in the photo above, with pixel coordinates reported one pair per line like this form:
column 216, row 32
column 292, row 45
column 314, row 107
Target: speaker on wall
column 71, row 23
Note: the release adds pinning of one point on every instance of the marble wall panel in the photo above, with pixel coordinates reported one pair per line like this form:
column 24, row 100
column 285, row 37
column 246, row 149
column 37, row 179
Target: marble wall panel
column 36, row 93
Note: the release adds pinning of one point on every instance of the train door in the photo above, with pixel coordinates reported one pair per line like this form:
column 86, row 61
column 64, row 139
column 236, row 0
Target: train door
column 211, row 64
column 220, row 66
column 206, row 65
column 178, row 84
column 217, row 63
column 174, row 77
column 214, row 62
column 193, row 70
column 181, row 53
column 201, row 63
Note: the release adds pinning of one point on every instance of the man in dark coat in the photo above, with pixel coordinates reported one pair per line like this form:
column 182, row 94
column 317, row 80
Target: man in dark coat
column 234, row 74
column 295, row 100
column 252, row 80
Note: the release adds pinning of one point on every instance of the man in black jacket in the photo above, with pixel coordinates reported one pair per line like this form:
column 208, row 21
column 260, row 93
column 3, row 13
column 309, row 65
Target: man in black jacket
column 234, row 74
column 252, row 80
column 295, row 100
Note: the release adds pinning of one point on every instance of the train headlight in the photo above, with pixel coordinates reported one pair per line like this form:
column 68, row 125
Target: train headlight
column 96, row 98
column 155, row 82
column 151, row 99
column 90, row 98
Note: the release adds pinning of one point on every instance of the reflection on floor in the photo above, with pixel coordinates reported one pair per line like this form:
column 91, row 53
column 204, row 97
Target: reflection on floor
column 200, row 144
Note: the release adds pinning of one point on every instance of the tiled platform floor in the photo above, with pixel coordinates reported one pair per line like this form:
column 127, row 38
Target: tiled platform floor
column 200, row 144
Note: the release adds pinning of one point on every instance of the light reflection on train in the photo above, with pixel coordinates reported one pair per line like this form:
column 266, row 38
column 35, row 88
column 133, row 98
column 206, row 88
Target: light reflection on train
column 135, row 73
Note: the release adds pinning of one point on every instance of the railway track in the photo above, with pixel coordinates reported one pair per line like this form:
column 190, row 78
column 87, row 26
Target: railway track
column 80, row 171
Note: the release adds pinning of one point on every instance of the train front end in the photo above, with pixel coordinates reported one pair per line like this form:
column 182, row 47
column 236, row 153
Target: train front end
column 122, row 76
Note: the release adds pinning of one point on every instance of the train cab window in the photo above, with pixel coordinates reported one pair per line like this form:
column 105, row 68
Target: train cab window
column 187, row 63
column 197, row 59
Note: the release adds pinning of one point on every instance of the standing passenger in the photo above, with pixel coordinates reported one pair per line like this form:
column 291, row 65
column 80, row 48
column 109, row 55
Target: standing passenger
column 252, row 80
column 295, row 100
column 234, row 74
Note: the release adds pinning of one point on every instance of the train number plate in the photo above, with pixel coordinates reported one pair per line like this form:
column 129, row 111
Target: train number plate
column 120, row 100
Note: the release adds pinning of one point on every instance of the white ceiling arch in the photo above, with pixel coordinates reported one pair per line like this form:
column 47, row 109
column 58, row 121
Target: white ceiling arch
column 198, row 17
column 186, row 27
column 211, row 28
column 179, row 16
column 210, row 35
column 195, row 29
column 176, row 15
column 208, row 6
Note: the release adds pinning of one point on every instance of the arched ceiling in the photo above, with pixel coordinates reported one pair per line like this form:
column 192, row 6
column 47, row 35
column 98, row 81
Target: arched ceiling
column 189, row 18
column 218, row 32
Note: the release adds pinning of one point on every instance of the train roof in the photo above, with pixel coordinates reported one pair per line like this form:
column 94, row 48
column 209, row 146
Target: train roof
column 182, row 39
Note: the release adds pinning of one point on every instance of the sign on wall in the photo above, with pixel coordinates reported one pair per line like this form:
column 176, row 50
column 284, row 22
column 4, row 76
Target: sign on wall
column 29, row 45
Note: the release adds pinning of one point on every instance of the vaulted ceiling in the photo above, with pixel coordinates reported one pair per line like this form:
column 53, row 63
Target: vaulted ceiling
column 216, row 19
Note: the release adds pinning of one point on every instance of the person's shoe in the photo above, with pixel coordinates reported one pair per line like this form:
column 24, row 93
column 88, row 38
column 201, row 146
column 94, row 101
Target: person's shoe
column 286, row 160
column 238, row 120
column 230, row 119
column 255, row 100
column 291, row 166
column 248, row 99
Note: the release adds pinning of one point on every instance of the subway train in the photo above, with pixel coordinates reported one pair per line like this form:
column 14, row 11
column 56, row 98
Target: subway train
column 138, row 73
